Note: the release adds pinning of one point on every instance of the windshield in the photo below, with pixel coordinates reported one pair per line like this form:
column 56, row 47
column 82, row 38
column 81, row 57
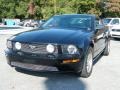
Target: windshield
column 107, row 21
column 69, row 22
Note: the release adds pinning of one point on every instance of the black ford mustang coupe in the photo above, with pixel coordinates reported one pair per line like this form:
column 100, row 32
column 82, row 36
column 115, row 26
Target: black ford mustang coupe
column 67, row 42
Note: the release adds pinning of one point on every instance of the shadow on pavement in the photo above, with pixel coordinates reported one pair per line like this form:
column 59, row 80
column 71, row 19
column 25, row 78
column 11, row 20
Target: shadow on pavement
column 116, row 39
column 58, row 80
column 64, row 82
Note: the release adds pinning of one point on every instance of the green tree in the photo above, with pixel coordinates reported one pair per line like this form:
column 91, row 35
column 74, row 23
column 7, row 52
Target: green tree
column 47, row 8
column 113, row 8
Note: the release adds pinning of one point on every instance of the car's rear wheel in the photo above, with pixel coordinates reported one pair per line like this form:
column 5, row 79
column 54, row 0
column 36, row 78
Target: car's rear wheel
column 87, row 64
column 107, row 48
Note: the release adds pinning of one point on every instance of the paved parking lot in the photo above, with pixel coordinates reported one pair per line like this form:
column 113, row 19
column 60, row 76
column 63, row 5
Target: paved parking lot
column 105, row 76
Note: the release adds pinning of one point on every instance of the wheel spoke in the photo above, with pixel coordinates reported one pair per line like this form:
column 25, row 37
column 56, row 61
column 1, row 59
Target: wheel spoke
column 89, row 62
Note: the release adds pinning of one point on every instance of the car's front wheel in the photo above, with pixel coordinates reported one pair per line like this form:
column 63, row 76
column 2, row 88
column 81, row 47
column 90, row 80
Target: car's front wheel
column 87, row 64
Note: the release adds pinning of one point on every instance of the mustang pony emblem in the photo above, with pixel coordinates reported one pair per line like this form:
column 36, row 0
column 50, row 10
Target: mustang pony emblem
column 32, row 47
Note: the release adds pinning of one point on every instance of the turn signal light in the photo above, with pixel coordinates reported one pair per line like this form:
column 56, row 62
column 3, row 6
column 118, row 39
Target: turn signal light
column 71, row 61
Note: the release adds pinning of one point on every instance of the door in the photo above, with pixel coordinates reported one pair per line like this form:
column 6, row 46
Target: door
column 99, row 38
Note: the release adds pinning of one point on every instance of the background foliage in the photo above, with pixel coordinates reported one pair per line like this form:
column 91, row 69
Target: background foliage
column 47, row 8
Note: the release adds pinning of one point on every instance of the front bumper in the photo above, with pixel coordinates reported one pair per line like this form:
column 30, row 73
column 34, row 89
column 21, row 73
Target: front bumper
column 115, row 34
column 28, row 61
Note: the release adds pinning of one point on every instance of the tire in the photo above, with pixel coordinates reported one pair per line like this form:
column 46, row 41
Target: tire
column 87, row 64
column 107, row 48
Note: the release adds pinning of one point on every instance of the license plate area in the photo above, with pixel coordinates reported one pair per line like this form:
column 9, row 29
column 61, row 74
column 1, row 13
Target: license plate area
column 34, row 67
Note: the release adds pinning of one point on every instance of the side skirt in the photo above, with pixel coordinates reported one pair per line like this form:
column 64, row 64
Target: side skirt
column 96, row 58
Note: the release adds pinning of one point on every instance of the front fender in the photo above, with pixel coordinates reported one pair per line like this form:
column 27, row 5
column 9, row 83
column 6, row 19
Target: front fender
column 85, row 44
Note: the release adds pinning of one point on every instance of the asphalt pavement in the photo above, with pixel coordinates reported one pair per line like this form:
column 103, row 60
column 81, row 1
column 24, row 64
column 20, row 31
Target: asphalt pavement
column 105, row 75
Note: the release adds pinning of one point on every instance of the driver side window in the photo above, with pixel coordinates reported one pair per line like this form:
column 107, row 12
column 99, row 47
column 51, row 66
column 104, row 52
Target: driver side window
column 98, row 23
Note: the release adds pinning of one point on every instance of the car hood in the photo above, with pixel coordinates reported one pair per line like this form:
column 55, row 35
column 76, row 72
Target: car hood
column 116, row 27
column 59, row 36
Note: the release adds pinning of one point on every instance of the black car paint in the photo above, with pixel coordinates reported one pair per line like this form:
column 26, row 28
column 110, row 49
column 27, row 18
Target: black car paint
column 60, row 36
column 83, row 39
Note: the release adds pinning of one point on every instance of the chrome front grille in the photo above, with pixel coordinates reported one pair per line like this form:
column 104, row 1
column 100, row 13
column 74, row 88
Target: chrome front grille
column 36, row 48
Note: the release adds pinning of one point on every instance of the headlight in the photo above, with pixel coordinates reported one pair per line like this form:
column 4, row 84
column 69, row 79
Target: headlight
column 18, row 45
column 9, row 44
column 50, row 48
column 71, row 49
